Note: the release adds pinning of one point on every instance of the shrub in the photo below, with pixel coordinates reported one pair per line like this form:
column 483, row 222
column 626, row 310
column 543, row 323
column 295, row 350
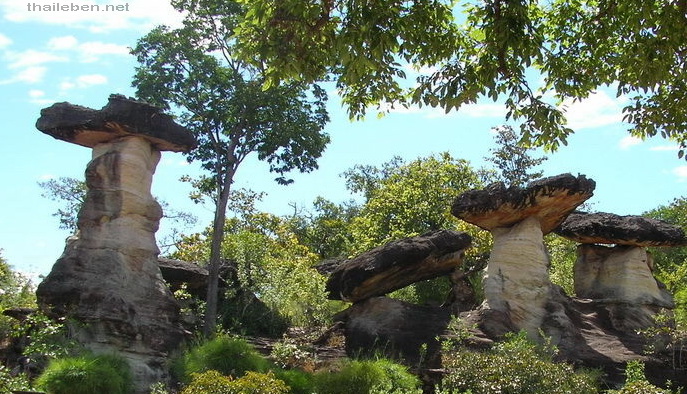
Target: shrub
column 370, row 376
column 213, row 382
column 514, row 366
column 298, row 381
column 227, row 355
column 636, row 383
column 86, row 375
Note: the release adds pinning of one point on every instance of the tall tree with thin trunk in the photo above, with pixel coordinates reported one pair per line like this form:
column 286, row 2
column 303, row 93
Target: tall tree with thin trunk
column 191, row 71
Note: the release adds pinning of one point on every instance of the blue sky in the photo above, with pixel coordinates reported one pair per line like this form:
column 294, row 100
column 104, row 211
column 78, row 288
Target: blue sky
column 82, row 57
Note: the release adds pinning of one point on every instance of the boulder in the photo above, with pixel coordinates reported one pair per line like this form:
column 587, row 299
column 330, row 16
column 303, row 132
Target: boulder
column 177, row 273
column 398, row 264
column 608, row 228
column 550, row 200
column 108, row 280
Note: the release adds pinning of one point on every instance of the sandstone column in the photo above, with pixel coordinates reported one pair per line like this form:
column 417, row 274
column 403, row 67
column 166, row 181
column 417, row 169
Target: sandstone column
column 108, row 280
column 517, row 280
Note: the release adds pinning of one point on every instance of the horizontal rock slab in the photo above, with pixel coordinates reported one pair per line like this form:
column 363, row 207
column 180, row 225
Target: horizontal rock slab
column 178, row 272
column 398, row 264
column 549, row 199
column 120, row 117
column 608, row 228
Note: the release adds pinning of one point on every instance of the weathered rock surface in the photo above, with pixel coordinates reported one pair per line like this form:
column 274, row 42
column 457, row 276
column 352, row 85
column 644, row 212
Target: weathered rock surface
column 177, row 273
column 517, row 280
column 608, row 228
column 108, row 279
column 550, row 200
column 398, row 329
column 121, row 117
column 398, row 264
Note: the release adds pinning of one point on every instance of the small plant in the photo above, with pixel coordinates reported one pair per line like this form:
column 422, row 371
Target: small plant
column 288, row 354
column 213, row 382
column 227, row 355
column 365, row 377
column 86, row 375
column 636, row 383
column 9, row 382
column 299, row 382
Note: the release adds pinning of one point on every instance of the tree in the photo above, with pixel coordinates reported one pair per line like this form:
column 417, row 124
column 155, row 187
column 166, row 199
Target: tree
column 512, row 159
column 15, row 291
column 533, row 55
column 405, row 199
column 222, row 101
column 68, row 191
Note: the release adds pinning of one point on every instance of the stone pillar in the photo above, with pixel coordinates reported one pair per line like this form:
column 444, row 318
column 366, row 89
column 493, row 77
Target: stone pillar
column 108, row 282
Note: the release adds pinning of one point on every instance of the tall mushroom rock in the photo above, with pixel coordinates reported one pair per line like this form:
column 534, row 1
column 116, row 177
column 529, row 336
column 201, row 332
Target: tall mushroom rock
column 517, row 281
column 620, row 276
column 108, row 279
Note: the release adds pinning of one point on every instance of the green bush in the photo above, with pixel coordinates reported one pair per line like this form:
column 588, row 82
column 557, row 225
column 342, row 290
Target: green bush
column 228, row 355
column 213, row 382
column 86, row 375
column 298, row 381
column 365, row 377
column 514, row 366
column 636, row 383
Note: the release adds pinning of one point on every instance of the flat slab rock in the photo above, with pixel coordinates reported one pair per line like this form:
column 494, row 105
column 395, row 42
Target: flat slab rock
column 120, row 117
column 398, row 264
column 608, row 228
column 549, row 199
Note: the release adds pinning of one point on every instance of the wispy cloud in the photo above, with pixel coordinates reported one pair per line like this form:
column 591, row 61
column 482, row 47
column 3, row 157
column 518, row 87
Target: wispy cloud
column 31, row 57
column 681, row 173
column 4, row 41
column 597, row 110
column 629, row 141
column 82, row 81
column 62, row 43
column 664, row 148
column 33, row 74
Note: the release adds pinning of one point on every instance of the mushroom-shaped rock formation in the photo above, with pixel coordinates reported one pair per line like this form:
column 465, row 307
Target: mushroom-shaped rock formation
column 398, row 264
column 620, row 276
column 177, row 273
column 108, row 277
column 517, row 281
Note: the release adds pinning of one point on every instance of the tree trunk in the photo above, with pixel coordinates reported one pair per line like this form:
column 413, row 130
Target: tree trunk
column 210, row 326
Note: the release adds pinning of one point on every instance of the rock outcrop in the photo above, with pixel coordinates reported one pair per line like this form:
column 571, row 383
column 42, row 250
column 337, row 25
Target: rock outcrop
column 619, row 278
column 108, row 279
column 517, row 281
column 397, row 265
column 178, row 273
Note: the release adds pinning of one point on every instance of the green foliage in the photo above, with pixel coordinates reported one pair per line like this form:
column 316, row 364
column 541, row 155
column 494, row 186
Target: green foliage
column 636, row 383
column 213, row 382
column 15, row 291
column 10, row 382
column 299, row 382
column 512, row 159
column 47, row 338
column 228, row 355
column 532, row 56
column 86, row 375
column 409, row 199
column 562, row 256
column 68, row 191
column 366, row 377
column 513, row 366
column 670, row 264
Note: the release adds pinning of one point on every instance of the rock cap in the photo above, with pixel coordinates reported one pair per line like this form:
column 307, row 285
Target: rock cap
column 397, row 264
column 549, row 199
column 120, row 117
column 609, row 228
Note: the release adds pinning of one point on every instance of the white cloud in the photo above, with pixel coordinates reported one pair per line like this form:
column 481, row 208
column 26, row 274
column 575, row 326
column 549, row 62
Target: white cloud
column 31, row 57
column 62, row 43
column 67, row 85
column 138, row 15
column 597, row 110
column 664, row 148
column 485, row 110
column 35, row 93
column 681, row 173
column 4, row 41
column 91, row 51
column 29, row 75
column 629, row 141
column 84, row 81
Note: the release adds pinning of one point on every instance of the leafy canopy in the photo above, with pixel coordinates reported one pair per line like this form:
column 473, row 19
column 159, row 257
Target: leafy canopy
column 533, row 55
